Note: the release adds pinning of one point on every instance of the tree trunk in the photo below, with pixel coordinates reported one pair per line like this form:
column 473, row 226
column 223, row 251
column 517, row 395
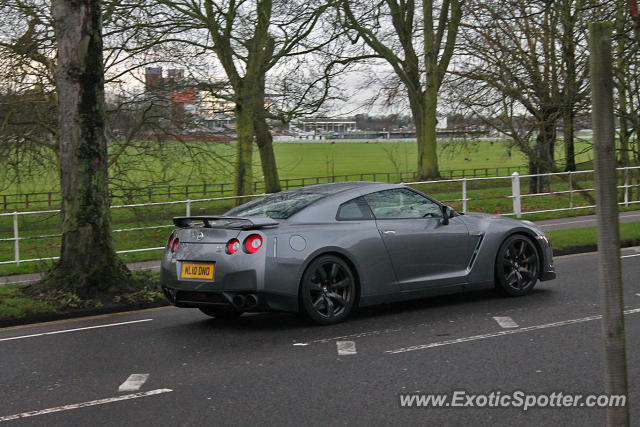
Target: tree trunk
column 264, row 140
column 609, row 272
column 243, row 179
column 88, row 263
column 621, row 82
column 427, row 138
column 542, row 160
column 569, row 133
column 570, row 87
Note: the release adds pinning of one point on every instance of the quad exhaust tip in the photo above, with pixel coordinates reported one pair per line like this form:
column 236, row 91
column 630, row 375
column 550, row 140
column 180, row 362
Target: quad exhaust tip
column 244, row 302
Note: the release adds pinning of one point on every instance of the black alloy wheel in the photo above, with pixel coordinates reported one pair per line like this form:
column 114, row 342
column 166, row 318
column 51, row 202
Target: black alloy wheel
column 517, row 265
column 328, row 290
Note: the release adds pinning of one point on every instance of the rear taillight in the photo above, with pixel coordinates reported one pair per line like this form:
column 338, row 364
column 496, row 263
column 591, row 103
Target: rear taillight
column 232, row 246
column 174, row 246
column 253, row 243
column 170, row 242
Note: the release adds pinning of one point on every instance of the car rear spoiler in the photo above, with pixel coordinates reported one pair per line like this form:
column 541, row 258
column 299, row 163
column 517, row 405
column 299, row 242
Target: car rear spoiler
column 241, row 223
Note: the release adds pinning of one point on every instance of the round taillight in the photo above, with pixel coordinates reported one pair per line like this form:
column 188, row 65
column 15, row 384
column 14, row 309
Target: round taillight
column 232, row 246
column 253, row 243
column 170, row 242
column 174, row 246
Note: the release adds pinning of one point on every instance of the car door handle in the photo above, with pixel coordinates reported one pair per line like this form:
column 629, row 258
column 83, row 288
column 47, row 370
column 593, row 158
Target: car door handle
column 388, row 232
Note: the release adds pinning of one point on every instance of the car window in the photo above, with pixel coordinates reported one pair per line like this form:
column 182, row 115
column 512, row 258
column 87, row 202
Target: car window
column 353, row 210
column 277, row 206
column 402, row 203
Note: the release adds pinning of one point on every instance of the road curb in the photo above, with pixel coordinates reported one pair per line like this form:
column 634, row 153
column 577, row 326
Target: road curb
column 85, row 312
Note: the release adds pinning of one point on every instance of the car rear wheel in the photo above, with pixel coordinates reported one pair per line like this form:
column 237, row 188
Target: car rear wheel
column 221, row 313
column 328, row 290
column 517, row 266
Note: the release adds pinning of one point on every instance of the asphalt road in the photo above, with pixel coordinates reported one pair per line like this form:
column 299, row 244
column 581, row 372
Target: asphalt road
column 276, row 369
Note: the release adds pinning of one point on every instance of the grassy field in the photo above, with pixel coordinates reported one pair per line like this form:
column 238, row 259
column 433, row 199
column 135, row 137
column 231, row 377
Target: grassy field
column 177, row 164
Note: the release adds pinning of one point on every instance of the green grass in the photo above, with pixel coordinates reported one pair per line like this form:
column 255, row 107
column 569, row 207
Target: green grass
column 194, row 163
column 14, row 303
column 577, row 237
column 19, row 301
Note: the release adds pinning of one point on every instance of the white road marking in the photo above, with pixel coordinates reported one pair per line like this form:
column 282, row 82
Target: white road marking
column 629, row 256
column 64, row 331
column 357, row 335
column 346, row 348
column 134, row 382
column 501, row 333
column 506, row 322
column 85, row 404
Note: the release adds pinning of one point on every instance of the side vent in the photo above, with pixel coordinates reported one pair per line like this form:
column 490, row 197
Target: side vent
column 480, row 237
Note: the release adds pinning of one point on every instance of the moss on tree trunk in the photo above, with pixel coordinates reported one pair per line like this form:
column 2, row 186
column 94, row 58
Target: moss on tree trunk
column 88, row 263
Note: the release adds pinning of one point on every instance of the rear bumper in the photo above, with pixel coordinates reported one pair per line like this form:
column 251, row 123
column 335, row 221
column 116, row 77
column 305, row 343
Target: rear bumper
column 244, row 290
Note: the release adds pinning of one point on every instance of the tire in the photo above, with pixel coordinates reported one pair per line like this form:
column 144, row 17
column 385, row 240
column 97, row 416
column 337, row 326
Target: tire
column 517, row 266
column 328, row 290
column 221, row 313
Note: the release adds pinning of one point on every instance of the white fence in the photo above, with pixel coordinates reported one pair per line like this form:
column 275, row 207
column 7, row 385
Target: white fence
column 515, row 196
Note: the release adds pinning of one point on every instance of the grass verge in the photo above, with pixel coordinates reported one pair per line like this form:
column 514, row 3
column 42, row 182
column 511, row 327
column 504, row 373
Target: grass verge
column 586, row 239
column 26, row 304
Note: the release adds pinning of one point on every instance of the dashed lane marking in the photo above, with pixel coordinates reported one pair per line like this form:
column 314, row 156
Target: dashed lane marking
column 506, row 322
column 501, row 333
column 134, row 382
column 346, row 348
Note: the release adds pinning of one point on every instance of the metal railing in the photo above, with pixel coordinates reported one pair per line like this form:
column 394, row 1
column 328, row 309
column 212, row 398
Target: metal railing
column 516, row 196
column 52, row 199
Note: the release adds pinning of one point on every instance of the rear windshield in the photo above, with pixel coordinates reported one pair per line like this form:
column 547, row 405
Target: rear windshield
column 277, row 206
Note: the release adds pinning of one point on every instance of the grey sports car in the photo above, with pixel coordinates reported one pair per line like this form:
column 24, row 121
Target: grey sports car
column 325, row 249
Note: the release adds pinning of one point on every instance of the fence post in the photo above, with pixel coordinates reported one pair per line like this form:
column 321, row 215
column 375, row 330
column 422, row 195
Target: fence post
column 16, row 242
column 515, row 192
column 464, row 195
column 571, row 190
column 626, row 187
column 188, row 207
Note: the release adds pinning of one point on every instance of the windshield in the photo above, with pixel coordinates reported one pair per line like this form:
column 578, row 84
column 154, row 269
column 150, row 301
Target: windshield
column 277, row 206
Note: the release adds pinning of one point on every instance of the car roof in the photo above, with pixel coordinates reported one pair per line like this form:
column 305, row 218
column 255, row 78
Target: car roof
column 324, row 209
column 333, row 187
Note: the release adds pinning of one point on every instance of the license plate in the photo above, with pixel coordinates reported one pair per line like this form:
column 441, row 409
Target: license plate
column 197, row 271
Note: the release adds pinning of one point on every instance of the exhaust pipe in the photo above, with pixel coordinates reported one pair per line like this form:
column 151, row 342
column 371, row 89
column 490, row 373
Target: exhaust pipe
column 238, row 301
column 251, row 300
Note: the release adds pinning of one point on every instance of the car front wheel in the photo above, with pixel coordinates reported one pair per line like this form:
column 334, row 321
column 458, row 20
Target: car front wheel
column 517, row 266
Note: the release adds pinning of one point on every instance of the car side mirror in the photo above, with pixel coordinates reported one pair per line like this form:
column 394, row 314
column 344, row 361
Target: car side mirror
column 446, row 214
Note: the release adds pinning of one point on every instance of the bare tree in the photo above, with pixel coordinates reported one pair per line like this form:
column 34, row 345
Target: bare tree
column 526, row 62
column 627, row 66
column 419, row 56
column 88, row 264
column 250, row 39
